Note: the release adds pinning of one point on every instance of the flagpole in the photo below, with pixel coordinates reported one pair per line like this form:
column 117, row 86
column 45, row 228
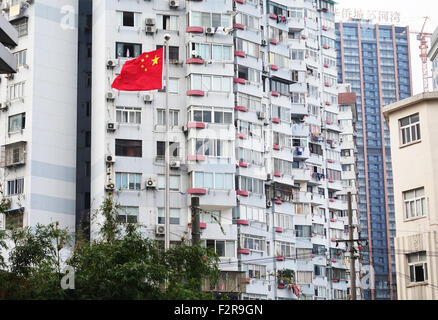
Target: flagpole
column 167, row 151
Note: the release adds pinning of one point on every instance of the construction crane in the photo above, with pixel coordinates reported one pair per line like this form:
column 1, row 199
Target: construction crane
column 422, row 36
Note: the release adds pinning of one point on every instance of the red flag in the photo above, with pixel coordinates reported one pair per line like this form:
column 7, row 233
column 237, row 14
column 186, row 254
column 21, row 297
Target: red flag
column 142, row 74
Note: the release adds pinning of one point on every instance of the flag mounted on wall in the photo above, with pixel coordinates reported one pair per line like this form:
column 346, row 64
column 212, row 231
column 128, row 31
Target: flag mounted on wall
column 142, row 74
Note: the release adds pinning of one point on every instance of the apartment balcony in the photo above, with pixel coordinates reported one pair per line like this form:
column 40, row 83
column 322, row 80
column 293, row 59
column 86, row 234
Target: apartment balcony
column 334, row 185
column 229, row 282
column 301, row 153
column 337, row 204
column 317, row 199
column 296, row 24
column 13, row 155
column 299, row 110
column 213, row 198
column 8, row 38
column 316, row 159
column 300, row 130
column 302, row 174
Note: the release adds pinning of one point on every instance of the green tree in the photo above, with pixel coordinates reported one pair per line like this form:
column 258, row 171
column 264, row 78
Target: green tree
column 120, row 264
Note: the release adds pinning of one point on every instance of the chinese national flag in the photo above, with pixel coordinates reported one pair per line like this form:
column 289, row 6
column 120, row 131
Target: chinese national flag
column 142, row 74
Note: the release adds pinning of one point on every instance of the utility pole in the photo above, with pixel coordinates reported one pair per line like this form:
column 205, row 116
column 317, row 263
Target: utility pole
column 196, row 222
column 167, row 151
column 352, row 256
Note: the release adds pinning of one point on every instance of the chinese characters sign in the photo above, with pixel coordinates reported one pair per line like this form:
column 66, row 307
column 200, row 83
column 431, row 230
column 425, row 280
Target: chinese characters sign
column 376, row 16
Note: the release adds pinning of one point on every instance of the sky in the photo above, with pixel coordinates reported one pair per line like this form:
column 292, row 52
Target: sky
column 412, row 13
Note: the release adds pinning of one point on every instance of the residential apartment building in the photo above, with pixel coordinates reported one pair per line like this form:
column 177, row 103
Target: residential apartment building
column 38, row 141
column 8, row 39
column 433, row 56
column 413, row 137
column 375, row 60
column 255, row 133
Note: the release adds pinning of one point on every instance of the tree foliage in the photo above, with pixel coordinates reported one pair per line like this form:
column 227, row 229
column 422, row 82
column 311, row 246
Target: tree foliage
column 120, row 264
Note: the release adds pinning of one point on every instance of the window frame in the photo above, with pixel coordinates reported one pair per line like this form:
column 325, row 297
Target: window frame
column 409, row 128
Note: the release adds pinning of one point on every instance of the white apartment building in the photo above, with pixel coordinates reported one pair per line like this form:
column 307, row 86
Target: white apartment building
column 37, row 118
column 256, row 132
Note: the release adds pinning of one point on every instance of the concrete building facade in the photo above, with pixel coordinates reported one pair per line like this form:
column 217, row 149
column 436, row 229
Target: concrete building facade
column 433, row 56
column 413, row 138
column 256, row 132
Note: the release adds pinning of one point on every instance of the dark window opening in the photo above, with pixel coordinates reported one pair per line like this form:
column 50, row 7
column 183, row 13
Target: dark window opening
column 129, row 148
column 128, row 19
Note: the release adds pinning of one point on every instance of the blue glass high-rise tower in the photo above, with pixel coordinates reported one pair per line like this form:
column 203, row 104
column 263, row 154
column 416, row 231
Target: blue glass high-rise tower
column 375, row 60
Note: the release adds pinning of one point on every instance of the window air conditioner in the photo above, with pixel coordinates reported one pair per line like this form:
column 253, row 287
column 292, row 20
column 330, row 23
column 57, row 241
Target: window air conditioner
column 150, row 21
column 160, row 229
column 111, row 126
column 110, row 95
column 151, row 182
column 175, row 164
column 210, row 31
column 151, row 29
column 4, row 106
column 110, row 159
column 269, row 204
column 264, row 43
column 173, row 3
column 112, row 63
column 148, row 98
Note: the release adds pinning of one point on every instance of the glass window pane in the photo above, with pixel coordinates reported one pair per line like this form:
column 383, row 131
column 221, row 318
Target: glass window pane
column 208, row 180
column 230, row 249
column 219, row 181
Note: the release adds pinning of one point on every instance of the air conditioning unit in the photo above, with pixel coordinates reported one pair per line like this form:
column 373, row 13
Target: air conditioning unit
column 152, row 182
column 260, row 115
column 4, row 106
column 264, row 43
column 195, row 54
column 175, row 164
column 10, row 76
column 110, row 187
column 150, row 21
column 266, row 69
column 269, row 204
column 112, row 63
column 160, row 229
column 174, row 3
column 150, row 29
column 110, row 159
column 148, row 98
column 111, row 126
column 268, row 177
column 110, row 95
column 210, row 31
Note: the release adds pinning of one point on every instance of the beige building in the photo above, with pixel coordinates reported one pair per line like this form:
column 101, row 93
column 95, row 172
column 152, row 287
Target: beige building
column 414, row 139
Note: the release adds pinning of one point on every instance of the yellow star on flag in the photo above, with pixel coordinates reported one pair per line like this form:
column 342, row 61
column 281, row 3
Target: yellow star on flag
column 155, row 60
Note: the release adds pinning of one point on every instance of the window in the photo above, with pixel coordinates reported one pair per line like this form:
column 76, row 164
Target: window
column 21, row 57
column 174, row 216
column 173, row 85
column 128, row 19
column 127, row 115
column 250, row 48
column 211, row 216
column 15, row 187
column 410, row 129
column 174, row 182
column 128, row 181
column 21, row 25
column 284, row 221
column 17, row 122
column 284, row 249
column 251, row 185
column 210, row 83
column 129, row 148
column 14, row 219
column 173, row 117
column 339, row 294
column 173, row 149
column 128, row 50
column 417, row 266
column 208, row 180
column 16, row 91
column 280, row 87
column 165, row 22
column 251, row 213
column 249, row 74
column 304, row 277
column 215, row 115
column 208, row 20
column 255, row 243
column 251, row 22
column 304, row 254
column 414, row 203
column 173, row 53
column 127, row 214
column 222, row 248
column 212, row 148
column 303, row 231
column 256, row 271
